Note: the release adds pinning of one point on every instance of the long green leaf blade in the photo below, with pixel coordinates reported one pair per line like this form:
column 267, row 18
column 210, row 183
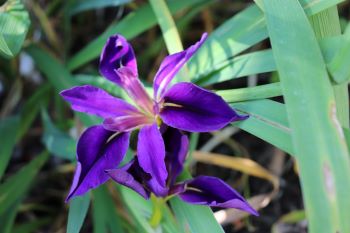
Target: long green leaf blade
column 317, row 136
column 78, row 209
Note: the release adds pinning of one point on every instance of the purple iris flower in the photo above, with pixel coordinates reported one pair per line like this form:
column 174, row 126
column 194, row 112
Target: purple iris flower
column 183, row 106
column 202, row 190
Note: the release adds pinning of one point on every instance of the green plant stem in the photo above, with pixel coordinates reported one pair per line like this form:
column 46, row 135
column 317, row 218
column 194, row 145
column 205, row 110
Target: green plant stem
column 326, row 24
column 157, row 211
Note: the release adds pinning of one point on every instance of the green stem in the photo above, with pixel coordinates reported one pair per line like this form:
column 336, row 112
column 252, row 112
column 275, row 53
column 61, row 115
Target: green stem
column 326, row 24
column 157, row 211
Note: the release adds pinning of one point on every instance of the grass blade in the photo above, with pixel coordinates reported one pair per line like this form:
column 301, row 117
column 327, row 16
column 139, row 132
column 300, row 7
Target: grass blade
column 78, row 209
column 317, row 136
column 251, row 93
column 268, row 121
column 8, row 133
column 17, row 185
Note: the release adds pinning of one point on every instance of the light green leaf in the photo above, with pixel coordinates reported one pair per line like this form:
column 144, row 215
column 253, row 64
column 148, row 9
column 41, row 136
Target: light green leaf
column 78, row 209
column 56, row 141
column 231, row 38
column 317, row 135
column 251, row 93
column 268, row 121
column 14, row 24
column 195, row 218
column 105, row 217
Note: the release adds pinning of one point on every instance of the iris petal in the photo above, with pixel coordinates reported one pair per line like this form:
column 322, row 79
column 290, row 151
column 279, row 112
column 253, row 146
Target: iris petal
column 211, row 191
column 151, row 156
column 176, row 147
column 132, row 176
column 192, row 108
column 126, row 123
column 171, row 66
column 92, row 100
column 117, row 53
column 97, row 152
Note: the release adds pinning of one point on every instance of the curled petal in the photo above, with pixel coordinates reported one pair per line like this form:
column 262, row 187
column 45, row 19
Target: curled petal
column 97, row 151
column 170, row 67
column 92, row 100
column 126, row 123
column 211, row 191
column 117, row 53
column 151, row 156
column 132, row 176
column 192, row 108
column 176, row 147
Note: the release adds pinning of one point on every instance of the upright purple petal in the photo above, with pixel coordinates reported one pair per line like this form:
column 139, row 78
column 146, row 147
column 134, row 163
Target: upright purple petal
column 171, row 65
column 151, row 156
column 135, row 89
column 92, row 100
column 117, row 53
column 211, row 191
column 132, row 176
column 176, row 147
column 192, row 108
column 97, row 150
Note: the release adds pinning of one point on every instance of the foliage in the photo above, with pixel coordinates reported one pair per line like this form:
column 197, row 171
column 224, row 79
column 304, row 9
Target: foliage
column 295, row 49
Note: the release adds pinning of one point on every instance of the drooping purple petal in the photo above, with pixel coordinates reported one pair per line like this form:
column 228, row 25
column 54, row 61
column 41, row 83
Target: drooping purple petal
column 170, row 67
column 135, row 89
column 192, row 108
column 97, row 150
column 92, row 100
column 132, row 176
column 117, row 53
column 176, row 147
column 127, row 123
column 151, row 156
column 211, row 191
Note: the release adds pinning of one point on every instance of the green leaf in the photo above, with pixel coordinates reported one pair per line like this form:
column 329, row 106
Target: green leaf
column 268, row 121
column 251, row 93
column 78, row 209
column 14, row 24
column 231, row 38
column 138, row 207
column 56, row 141
column 84, row 5
column 55, row 72
column 195, row 218
column 105, row 217
column 8, row 129
column 18, row 184
column 7, row 219
column 129, row 27
column 317, row 135
column 339, row 67
column 239, row 66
